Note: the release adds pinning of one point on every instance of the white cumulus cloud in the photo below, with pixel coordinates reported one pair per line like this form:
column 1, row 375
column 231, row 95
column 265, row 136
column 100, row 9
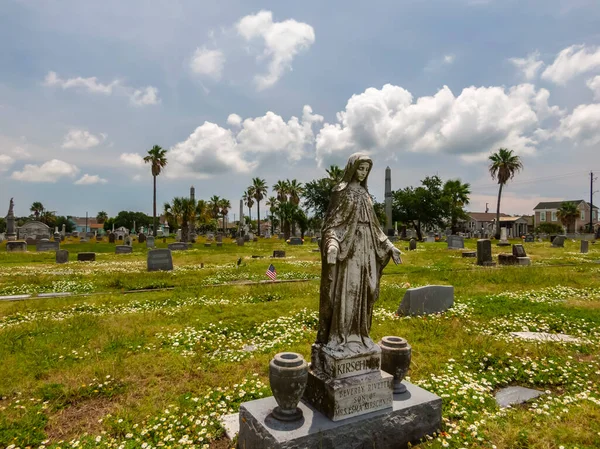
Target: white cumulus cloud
column 282, row 42
column 133, row 159
column 388, row 120
column 209, row 63
column 90, row 179
column 213, row 150
column 90, row 84
column 144, row 97
column 50, row 171
column 234, row 120
column 5, row 162
column 528, row 66
column 581, row 126
column 571, row 62
column 594, row 84
column 79, row 139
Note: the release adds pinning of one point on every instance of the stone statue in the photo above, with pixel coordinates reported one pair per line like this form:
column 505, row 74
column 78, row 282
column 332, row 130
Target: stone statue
column 354, row 252
column 10, row 208
column 11, row 232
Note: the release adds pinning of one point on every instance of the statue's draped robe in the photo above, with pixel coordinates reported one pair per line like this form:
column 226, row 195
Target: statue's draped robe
column 351, row 286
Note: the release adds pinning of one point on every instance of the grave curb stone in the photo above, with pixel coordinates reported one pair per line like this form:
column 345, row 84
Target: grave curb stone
column 86, row 257
column 426, row 300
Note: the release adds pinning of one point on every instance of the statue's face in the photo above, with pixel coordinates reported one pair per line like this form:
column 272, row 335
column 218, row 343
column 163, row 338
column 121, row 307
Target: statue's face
column 362, row 171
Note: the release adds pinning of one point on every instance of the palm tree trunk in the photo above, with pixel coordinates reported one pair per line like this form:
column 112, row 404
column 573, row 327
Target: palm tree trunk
column 258, row 214
column 154, row 221
column 497, row 234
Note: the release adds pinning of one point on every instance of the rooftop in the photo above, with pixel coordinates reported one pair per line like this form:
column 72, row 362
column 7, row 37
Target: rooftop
column 558, row 204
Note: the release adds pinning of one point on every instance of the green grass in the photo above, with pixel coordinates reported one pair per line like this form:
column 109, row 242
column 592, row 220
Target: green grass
column 111, row 368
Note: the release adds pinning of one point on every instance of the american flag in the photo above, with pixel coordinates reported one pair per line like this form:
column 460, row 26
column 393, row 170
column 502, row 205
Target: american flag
column 271, row 272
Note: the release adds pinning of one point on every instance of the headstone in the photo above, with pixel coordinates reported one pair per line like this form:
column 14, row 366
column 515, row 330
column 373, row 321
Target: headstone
column 219, row 238
column 178, row 235
column 295, row 241
column 412, row 244
column 246, row 237
column 111, row 237
column 507, row 259
column 430, row 239
column 529, row 238
column 47, row 246
column 15, row 246
column 150, row 241
column 128, row 240
column 585, row 245
column 519, row 251
column 484, row 252
column 57, row 236
column 278, row 253
column 178, row 246
column 210, row 237
column 240, row 241
column 123, row 249
column 525, row 261
column 62, row 256
column 86, row 257
column 559, row 241
column 141, row 237
column 427, row 300
column 503, row 238
column 160, row 260
column 515, row 395
column 455, row 242
column 64, row 229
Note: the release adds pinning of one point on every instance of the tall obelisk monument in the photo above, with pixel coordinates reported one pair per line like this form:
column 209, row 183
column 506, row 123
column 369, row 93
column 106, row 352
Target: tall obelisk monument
column 389, row 228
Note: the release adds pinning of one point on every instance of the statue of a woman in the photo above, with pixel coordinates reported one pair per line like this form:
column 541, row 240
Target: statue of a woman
column 354, row 251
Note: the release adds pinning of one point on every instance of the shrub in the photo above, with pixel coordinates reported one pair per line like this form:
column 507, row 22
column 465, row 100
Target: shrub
column 549, row 228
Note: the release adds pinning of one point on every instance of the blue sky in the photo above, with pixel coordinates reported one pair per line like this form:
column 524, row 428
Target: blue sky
column 279, row 90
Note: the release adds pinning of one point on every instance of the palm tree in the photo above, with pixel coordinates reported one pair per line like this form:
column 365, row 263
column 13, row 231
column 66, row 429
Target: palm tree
column 280, row 188
column 504, row 164
column 335, row 173
column 158, row 160
column 456, row 194
column 182, row 210
column 202, row 212
column 37, row 208
column 295, row 190
column 213, row 205
column 567, row 214
column 101, row 217
column 273, row 204
column 225, row 205
column 248, row 198
column 259, row 187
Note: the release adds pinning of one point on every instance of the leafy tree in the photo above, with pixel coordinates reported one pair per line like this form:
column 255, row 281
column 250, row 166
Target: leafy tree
column 101, row 217
column 568, row 214
column 2, row 225
column 182, row 210
column 335, row 174
column 60, row 220
column 420, row 207
column 126, row 219
column 214, row 207
column 158, row 160
column 379, row 209
column 504, row 164
column 259, row 188
column 37, row 208
column 49, row 218
column 456, row 197
column 317, row 194
column 273, row 204
column 549, row 228
column 248, row 199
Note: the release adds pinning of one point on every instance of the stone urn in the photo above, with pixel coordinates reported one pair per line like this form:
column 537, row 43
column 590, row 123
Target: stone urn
column 395, row 360
column 288, row 373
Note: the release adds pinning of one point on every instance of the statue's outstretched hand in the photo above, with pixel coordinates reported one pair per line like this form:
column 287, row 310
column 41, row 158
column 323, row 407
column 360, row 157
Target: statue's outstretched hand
column 332, row 253
column 396, row 255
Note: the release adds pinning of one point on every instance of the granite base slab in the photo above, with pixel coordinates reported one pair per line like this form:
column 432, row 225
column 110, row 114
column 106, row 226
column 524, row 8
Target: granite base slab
column 413, row 415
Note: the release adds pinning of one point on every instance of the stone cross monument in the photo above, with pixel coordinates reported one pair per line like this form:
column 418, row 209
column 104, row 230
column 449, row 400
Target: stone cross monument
column 389, row 229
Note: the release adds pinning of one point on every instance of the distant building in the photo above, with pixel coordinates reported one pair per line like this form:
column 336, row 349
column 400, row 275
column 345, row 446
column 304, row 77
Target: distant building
column 547, row 212
column 517, row 226
column 482, row 222
column 79, row 225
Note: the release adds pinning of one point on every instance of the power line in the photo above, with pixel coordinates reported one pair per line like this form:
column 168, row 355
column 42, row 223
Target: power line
column 534, row 180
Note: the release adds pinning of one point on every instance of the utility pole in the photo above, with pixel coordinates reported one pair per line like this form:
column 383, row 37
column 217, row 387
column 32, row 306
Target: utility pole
column 592, row 179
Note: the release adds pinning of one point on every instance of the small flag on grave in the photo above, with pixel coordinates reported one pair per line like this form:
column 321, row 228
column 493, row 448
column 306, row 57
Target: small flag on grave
column 271, row 272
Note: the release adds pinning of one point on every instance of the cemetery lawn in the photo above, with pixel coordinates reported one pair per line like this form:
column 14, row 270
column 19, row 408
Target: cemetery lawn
column 131, row 359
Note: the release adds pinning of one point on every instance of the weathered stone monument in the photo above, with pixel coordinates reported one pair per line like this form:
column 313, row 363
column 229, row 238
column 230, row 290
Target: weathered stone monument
column 519, row 252
column 345, row 379
column 412, row 244
column 559, row 241
column 427, row 300
column 529, row 238
column 62, row 256
column 389, row 228
column 484, row 253
column 47, row 246
column 295, row 241
column 503, row 238
column 15, row 246
column 455, row 242
column 585, row 246
column 111, row 237
column 11, row 232
column 141, row 237
column 34, row 230
column 150, row 241
column 178, row 246
column 123, row 249
column 160, row 260
column 86, row 257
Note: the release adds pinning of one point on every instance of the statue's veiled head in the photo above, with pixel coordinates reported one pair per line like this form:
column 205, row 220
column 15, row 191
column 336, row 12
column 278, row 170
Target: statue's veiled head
column 358, row 169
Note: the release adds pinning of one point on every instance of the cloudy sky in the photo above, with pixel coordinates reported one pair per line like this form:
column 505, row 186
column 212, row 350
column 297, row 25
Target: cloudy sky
column 239, row 89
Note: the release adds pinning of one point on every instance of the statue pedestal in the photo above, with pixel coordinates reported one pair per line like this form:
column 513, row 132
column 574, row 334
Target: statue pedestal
column 411, row 416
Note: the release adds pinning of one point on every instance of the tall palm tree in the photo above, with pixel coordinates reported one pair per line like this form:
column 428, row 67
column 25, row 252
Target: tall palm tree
column 335, row 173
column 101, row 217
column 213, row 205
column 182, row 210
column 202, row 212
column 225, row 205
column 456, row 194
column 259, row 187
column 504, row 164
column 248, row 198
column 295, row 190
column 157, row 159
column 567, row 214
column 280, row 188
column 37, row 208
column 273, row 204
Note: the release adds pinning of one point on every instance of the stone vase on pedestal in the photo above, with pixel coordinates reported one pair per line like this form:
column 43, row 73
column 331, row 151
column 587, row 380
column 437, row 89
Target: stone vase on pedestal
column 288, row 373
column 395, row 360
